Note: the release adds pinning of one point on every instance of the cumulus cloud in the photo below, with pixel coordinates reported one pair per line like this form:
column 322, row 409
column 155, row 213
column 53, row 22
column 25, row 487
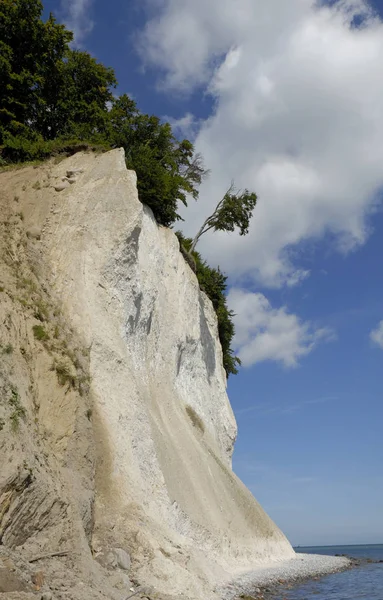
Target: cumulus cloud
column 77, row 18
column 187, row 126
column 297, row 91
column 376, row 335
column 264, row 333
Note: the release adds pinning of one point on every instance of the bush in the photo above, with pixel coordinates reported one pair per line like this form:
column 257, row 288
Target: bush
column 40, row 333
column 18, row 149
column 167, row 169
column 18, row 411
column 65, row 374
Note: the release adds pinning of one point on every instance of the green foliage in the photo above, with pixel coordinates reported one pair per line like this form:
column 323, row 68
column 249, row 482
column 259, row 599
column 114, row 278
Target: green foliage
column 21, row 148
column 167, row 170
column 31, row 53
column 236, row 210
column 40, row 333
column 64, row 374
column 233, row 211
column 18, row 411
column 213, row 283
column 41, row 311
column 47, row 90
column 34, row 148
column 78, row 105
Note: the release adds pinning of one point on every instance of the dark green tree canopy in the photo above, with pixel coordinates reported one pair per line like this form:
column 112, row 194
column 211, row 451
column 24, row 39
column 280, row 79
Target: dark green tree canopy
column 31, row 52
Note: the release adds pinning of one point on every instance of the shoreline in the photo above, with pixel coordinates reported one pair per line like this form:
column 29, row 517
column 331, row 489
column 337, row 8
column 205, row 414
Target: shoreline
column 262, row 583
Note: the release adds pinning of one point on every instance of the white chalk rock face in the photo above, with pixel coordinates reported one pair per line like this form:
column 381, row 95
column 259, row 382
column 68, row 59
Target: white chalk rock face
column 164, row 428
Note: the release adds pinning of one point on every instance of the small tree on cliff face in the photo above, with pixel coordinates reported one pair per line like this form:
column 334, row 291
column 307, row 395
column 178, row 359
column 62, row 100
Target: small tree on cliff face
column 233, row 211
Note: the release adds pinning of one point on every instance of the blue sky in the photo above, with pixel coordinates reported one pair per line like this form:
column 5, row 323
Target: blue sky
column 287, row 99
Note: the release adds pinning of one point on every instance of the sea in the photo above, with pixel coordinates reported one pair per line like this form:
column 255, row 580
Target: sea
column 361, row 583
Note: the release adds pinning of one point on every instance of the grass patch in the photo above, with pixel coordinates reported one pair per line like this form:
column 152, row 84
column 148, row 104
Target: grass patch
column 8, row 349
column 36, row 185
column 26, row 282
column 18, row 411
column 195, row 419
column 41, row 311
column 40, row 333
column 65, row 374
column 23, row 302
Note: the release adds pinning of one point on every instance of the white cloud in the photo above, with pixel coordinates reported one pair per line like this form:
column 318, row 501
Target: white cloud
column 376, row 335
column 77, row 18
column 265, row 333
column 186, row 126
column 272, row 409
column 298, row 118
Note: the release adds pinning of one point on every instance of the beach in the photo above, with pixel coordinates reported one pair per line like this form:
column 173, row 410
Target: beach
column 266, row 579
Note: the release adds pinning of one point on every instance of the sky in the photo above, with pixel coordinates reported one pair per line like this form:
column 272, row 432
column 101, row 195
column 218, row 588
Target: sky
column 284, row 98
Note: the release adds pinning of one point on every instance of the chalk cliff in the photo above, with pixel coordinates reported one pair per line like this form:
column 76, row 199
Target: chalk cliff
column 123, row 441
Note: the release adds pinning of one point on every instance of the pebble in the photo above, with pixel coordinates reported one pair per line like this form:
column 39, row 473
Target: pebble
column 304, row 566
column 34, row 232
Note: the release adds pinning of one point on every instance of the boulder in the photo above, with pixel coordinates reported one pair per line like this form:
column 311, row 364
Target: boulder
column 62, row 186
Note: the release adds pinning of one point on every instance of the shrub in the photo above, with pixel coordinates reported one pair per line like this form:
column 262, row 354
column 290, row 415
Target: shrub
column 64, row 372
column 18, row 411
column 18, row 149
column 41, row 311
column 40, row 333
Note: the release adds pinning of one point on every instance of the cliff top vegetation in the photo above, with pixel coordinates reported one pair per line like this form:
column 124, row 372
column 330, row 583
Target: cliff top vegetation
column 55, row 99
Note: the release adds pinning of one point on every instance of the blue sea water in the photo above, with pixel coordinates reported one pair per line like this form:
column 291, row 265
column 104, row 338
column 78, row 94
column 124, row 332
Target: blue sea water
column 361, row 583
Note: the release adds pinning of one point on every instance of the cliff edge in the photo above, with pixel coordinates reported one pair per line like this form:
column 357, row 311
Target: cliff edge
column 116, row 433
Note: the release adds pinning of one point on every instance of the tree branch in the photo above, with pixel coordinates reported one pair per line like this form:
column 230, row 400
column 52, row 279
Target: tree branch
column 51, row 555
